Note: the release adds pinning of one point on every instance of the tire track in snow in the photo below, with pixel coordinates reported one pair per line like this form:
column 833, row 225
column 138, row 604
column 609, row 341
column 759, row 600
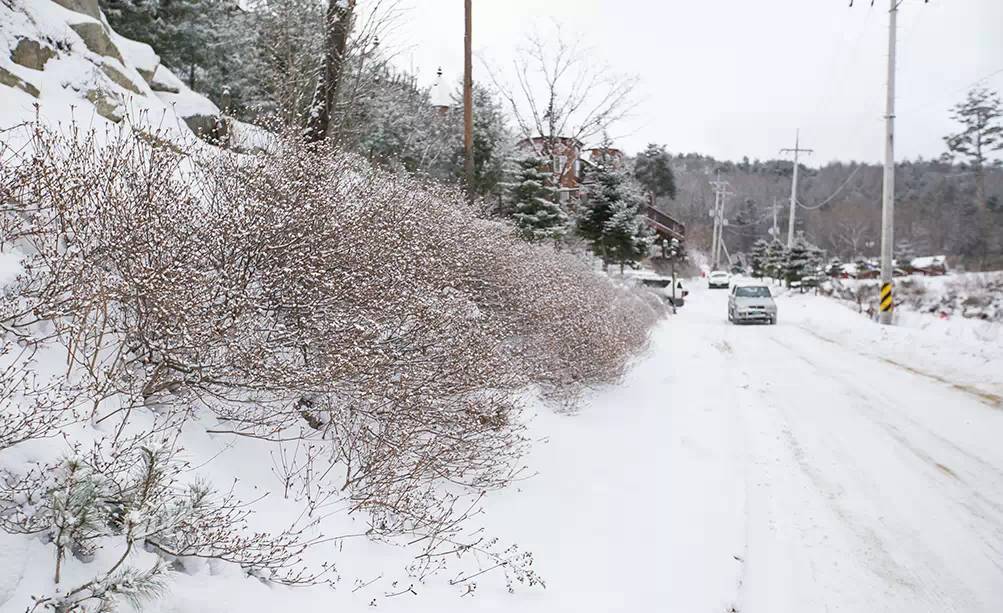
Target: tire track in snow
column 984, row 516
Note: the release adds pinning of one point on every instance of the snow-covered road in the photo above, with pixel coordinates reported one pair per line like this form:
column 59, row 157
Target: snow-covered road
column 823, row 464
column 867, row 484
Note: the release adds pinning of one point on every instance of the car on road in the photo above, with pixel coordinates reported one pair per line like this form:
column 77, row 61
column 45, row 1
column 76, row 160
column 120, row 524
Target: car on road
column 718, row 279
column 751, row 303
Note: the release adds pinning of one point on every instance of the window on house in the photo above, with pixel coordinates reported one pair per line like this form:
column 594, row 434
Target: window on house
column 563, row 196
column 560, row 163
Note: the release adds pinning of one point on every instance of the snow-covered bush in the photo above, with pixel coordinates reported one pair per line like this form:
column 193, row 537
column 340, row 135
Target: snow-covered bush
column 295, row 294
column 971, row 296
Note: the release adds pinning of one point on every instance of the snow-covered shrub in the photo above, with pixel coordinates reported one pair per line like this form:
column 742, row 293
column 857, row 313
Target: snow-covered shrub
column 298, row 293
column 971, row 296
column 127, row 495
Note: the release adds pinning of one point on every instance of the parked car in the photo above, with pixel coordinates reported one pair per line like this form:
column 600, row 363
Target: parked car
column 718, row 279
column 663, row 287
column 751, row 303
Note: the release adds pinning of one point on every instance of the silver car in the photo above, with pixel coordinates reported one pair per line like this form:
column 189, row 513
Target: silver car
column 751, row 303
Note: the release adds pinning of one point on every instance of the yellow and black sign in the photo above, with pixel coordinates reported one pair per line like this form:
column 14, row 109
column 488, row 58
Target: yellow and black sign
column 886, row 298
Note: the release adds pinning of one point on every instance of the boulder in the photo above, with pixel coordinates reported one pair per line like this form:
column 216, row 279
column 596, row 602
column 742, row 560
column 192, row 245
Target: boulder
column 87, row 7
column 107, row 104
column 146, row 74
column 163, row 80
column 12, row 80
column 31, row 54
column 97, row 40
column 120, row 79
column 210, row 128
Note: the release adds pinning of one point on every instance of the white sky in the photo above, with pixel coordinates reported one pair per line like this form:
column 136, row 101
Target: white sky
column 737, row 77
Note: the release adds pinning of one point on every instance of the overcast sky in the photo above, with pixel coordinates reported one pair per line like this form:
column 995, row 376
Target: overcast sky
column 737, row 77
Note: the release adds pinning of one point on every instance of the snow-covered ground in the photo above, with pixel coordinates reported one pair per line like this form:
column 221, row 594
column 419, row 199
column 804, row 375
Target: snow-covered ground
column 823, row 464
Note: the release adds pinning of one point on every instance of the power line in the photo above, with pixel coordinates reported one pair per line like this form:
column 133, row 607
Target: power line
column 836, row 193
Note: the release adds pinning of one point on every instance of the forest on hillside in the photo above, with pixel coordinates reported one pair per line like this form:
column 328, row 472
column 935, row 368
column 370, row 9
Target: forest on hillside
column 936, row 209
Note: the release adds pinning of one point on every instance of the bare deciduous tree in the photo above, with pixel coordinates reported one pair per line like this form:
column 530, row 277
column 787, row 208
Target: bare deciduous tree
column 560, row 89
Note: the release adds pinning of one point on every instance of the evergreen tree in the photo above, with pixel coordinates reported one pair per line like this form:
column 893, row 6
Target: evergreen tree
column 776, row 255
column 626, row 237
column 611, row 217
column 905, row 253
column 653, row 171
column 531, row 202
column 981, row 119
column 798, row 262
column 760, row 258
column 492, row 139
column 835, row 268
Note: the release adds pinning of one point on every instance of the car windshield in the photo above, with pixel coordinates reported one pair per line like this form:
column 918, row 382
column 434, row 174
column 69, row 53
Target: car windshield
column 753, row 292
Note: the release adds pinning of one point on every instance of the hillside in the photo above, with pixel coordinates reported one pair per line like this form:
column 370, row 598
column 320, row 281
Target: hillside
column 61, row 59
column 935, row 210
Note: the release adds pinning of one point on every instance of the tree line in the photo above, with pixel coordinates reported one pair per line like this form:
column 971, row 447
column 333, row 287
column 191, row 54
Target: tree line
column 951, row 205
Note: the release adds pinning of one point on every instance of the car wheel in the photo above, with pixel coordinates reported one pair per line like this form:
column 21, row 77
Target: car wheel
column 773, row 320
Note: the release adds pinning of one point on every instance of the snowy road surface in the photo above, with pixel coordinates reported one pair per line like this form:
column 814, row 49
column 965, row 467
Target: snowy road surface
column 816, row 465
column 867, row 485
column 822, row 464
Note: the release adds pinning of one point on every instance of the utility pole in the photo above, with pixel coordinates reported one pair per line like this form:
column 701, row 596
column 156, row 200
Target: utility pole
column 468, row 97
column 721, row 192
column 775, row 233
column 886, row 301
column 888, row 197
column 794, row 186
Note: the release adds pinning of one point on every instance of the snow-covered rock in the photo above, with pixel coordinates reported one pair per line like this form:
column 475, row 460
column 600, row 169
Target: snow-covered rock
column 62, row 56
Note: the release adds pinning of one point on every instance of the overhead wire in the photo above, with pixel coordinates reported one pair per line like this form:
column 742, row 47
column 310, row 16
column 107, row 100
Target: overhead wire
column 834, row 194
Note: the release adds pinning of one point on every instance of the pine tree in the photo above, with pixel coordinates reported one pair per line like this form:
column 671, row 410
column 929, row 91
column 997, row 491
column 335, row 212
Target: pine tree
column 653, row 171
column 531, row 202
column 905, row 253
column 611, row 218
column 776, row 255
column 760, row 258
column 981, row 119
column 798, row 262
column 492, row 140
column 835, row 268
column 626, row 237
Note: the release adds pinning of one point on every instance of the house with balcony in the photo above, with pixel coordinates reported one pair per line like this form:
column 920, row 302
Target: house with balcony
column 564, row 156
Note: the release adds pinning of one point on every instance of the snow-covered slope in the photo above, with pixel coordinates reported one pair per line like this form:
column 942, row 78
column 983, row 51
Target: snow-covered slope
column 59, row 59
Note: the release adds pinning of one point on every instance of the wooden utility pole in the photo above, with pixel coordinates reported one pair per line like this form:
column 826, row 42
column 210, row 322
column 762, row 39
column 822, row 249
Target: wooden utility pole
column 794, row 186
column 468, row 98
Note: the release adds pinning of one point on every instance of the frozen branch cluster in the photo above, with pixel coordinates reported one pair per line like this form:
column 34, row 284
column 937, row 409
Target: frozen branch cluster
column 369, row 321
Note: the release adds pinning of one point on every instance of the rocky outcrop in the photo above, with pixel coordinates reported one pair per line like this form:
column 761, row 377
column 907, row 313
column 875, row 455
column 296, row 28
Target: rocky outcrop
column 120, row 79
column 164, row 81
column 106, row 104
column 210, row 128
column 31, row 54
column 12, row 80
column 87, row 7
column 97, row 40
